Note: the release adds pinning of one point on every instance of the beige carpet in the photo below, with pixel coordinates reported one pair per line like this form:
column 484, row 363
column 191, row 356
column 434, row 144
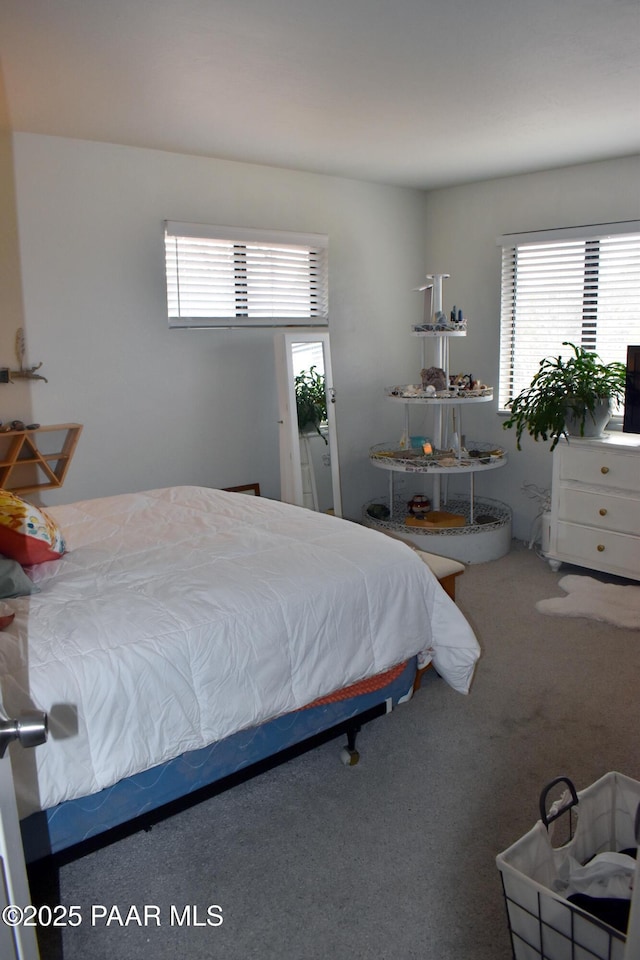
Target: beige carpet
column 586, row 597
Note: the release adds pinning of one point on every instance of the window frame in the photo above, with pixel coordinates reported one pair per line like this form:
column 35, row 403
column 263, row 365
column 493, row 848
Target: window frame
column 591, row 235
column 245, row 251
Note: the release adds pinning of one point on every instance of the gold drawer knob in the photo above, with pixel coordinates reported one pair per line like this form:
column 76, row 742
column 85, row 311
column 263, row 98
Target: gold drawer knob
column 602, row 511
column 604, row 469
column 600, row 547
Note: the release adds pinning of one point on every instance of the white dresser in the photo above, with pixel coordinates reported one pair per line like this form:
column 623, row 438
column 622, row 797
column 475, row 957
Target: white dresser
column 595, row 504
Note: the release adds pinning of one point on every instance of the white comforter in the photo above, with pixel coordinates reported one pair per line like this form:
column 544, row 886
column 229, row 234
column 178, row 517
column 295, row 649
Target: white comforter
column 182, row 615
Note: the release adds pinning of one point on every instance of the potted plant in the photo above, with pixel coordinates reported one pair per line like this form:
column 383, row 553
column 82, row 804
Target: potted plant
column 567, row 397
column 311, row 400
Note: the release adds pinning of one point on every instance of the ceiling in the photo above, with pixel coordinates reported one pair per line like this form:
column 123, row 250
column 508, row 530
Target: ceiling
column 422, row 93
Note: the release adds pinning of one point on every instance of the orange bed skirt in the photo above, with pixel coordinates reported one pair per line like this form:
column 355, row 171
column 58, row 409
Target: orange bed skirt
column 368, row 685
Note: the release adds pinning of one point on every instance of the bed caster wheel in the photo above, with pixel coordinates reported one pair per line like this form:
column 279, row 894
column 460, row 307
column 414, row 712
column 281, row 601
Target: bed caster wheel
column 349, row 757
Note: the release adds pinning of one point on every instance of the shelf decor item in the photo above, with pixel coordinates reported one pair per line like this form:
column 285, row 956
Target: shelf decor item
column 567, row 397
column 24, row 373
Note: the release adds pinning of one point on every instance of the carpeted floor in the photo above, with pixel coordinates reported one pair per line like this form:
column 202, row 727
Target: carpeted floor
column 394, row 857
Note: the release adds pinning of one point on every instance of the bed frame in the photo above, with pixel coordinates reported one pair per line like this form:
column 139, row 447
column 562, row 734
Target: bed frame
column 75, row 827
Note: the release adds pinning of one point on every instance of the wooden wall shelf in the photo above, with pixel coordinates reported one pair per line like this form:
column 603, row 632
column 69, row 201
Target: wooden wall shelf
column 37, row 459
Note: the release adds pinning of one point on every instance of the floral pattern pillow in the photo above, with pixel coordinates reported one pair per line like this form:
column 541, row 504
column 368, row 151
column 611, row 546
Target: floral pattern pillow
column 27, row 533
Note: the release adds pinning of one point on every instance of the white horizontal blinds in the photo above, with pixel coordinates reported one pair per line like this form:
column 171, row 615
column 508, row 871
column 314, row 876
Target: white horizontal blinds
column 542, row 303
column 285, row 282
column 200, row 278
column 585, row 291
column 229, row 277
column 619, row 297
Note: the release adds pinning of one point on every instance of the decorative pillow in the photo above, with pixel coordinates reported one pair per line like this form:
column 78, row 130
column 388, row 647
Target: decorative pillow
column 13, row 580
column 27, row 533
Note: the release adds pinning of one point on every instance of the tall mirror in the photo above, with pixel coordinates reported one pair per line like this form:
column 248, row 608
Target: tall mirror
column 309, row 471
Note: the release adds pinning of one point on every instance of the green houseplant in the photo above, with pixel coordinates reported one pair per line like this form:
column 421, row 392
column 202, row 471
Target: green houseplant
column 565, row 397
column 311, row 400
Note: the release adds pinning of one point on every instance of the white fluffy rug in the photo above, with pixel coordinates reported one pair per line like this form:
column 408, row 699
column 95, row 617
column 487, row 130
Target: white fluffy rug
column 586, row 597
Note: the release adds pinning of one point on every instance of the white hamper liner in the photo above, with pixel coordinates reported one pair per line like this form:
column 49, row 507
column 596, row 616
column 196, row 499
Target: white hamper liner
column 543, row 924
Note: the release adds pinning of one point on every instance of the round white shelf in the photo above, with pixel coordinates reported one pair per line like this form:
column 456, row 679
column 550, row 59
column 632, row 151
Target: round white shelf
column 487, row 538
column 385, row 457
column 481, row 529
column 452, row 401
column 439, row 333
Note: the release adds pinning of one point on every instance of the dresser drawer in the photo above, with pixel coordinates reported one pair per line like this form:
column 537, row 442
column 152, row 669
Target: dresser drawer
column 598, row 549
column 608, row 468
column 599, row 508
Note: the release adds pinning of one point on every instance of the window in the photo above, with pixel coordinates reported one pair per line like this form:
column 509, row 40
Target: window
column 580, row 285
column 231, row 277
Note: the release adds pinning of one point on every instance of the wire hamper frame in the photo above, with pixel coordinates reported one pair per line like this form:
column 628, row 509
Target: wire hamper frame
column 543, row 924
column 551, row 937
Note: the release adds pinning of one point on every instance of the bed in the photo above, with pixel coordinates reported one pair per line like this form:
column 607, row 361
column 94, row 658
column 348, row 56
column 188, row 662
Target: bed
column 187, row 633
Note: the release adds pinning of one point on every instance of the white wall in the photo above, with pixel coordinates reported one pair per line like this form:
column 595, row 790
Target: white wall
column 15, row 401
column 163, row 407
column 463, row 224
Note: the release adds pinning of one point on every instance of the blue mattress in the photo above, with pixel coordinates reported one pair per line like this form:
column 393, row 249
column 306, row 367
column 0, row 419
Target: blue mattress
column 76, row 821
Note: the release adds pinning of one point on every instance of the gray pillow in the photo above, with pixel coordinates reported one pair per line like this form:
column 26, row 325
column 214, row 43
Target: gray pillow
column 13, row 580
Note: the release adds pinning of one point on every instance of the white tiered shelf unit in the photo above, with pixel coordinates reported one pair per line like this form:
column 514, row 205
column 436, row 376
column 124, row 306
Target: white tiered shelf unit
column 484, row 533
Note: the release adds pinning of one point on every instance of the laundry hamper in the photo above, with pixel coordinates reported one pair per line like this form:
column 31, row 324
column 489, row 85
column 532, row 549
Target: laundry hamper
column 543, row 923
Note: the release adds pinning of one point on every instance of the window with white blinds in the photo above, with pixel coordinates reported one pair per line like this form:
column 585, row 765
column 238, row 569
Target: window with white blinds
column 232, row 277
column 580, row 285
